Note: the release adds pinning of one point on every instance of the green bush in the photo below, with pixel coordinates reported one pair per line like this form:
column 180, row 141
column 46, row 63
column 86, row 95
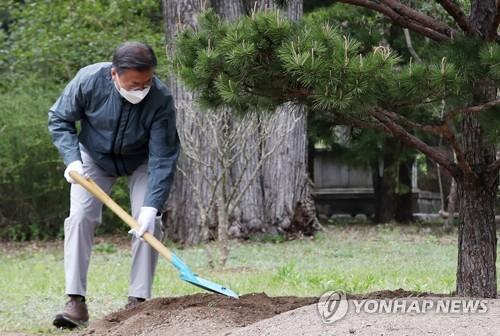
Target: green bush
column 34, row 196
column 53, row 39
column 42, row 45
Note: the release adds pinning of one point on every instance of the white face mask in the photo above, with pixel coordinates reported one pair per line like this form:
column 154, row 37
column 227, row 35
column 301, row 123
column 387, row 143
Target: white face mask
column 133, row 96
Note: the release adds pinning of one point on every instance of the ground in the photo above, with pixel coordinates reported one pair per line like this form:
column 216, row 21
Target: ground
column 350, row 257
column 259, row 315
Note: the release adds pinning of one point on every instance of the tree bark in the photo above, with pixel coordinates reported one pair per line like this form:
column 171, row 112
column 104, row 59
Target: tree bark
column 477, row 242
column 286, row 185
column 184, row 220
column 249, row 216
column 279, row 199
column 289, row 206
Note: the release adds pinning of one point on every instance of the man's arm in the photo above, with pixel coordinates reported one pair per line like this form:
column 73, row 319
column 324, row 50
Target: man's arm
column 164, row 148
column 62, row 118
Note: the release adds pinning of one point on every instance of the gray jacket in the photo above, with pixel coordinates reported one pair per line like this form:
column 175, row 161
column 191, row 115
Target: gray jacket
column 118, row 135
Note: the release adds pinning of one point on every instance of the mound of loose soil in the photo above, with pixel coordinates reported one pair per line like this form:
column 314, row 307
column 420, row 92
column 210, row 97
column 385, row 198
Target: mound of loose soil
column 260, row 315
column 199, row 314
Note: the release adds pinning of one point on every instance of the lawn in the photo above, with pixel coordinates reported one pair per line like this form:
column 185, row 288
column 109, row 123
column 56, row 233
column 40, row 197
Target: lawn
column 353, row 258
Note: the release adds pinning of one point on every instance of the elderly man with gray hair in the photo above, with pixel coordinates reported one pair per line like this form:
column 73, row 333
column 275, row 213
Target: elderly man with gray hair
column 127, row 128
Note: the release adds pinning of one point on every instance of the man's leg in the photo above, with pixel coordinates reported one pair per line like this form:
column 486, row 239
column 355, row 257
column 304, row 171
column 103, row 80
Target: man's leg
column 144, row 257
column 79, row 229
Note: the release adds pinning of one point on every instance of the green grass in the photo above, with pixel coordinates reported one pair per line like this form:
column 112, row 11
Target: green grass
column 355, row 259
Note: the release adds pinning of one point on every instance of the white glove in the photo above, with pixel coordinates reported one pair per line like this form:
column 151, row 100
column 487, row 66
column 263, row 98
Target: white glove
column 147, row 219
column 76, row 166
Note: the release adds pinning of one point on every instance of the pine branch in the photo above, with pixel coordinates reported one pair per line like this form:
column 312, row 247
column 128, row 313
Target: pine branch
column 458, row 15
column 346, row 120
column 421, row 18
column 442, row 130
column 493, row 33
column 411, row 140
column 470, row 109
column 409, row 45
column 457, row 149
column 402, row 21
column 434, row 129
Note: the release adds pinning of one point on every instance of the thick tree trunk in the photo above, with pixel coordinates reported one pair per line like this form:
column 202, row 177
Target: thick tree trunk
column 248, row 216
column 289, row 206
column 279, row 199
column 183, row 217
column 286, row 185
column 229, row 9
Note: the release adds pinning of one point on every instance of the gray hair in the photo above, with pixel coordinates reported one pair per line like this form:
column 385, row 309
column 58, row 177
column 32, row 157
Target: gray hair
column 134, row 55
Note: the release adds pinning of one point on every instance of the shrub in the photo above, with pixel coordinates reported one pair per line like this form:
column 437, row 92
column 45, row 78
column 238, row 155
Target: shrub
column 34, row 196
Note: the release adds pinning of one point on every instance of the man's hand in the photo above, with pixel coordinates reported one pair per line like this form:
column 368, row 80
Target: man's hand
column 147, row 218
column 76, row 166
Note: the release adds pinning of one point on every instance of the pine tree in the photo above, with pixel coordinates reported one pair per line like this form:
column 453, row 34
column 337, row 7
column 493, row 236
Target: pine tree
column 263, row 60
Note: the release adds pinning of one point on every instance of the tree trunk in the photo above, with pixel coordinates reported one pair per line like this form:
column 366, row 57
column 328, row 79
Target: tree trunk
column 383, row 183
column 476, row 272
column 183, row 217
column 274, row 198
column 387, row 173
column 286, row 184
column 248, row 216
column 477, row 242
column 289, row 206
column 229, row 9
column 404, row 201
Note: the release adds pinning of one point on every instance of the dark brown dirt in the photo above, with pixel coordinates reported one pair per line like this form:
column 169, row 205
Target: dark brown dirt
column 199, row 314
column 210, row 314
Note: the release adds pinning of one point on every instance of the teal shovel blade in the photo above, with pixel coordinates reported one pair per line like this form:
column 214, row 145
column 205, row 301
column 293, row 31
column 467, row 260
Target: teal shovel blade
column 188, row 276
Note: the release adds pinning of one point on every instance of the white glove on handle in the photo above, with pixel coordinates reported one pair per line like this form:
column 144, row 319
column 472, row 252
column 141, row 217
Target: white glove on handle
column 147, row 219
column 76, row 166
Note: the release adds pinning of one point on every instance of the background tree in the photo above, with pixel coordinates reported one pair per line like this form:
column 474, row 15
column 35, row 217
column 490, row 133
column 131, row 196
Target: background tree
column 227, row 143
column 263, row 60
column 281, row 189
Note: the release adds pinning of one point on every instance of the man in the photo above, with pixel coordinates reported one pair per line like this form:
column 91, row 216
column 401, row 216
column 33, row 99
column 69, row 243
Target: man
column 127, row 119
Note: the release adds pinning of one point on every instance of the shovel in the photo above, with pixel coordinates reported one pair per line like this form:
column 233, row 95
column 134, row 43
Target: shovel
column 185, row 272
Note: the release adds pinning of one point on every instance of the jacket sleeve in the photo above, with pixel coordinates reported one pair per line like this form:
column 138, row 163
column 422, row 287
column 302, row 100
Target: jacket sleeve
column 62, row 120
column 164, row 148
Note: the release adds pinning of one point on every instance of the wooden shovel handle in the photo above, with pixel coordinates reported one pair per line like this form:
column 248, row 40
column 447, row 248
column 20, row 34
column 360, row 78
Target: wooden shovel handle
column 95, row 190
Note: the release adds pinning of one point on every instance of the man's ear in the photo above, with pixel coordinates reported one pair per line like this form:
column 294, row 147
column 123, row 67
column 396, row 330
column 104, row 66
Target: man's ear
column 114, row 73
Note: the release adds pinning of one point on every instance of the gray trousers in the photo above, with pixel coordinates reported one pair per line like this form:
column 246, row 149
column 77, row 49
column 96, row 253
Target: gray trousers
column 86, row 214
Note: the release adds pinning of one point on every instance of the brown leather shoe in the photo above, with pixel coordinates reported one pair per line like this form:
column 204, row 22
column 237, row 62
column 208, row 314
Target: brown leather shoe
column 133, row 301
column 75, row 314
